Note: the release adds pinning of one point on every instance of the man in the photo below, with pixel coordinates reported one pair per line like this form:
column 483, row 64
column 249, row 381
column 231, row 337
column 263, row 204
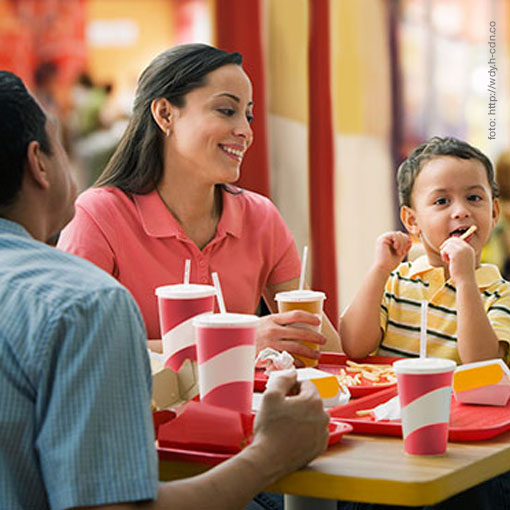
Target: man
column 75, row 383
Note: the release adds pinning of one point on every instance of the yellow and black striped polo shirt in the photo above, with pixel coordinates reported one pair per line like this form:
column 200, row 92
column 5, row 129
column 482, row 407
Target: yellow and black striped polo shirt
column 413, row 282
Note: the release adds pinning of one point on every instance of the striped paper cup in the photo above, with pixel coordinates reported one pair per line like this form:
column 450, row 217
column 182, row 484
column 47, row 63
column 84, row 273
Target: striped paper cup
column 425, row 388
column 226, row 359
column 178, row 305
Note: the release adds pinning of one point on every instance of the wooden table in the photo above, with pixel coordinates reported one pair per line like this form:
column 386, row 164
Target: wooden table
column 374, row 469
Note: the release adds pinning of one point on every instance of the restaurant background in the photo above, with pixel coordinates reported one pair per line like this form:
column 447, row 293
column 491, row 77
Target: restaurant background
column 343, row 89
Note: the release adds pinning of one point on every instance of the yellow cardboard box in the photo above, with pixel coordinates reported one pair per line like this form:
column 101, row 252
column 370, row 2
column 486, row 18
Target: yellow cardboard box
column 483, row 382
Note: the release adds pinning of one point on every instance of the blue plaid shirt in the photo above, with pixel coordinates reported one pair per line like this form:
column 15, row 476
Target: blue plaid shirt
column 75, row 383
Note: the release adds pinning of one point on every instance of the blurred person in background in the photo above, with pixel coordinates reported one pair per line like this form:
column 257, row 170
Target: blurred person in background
column 167, row 195
column 92, row 124
column 45, row 87
column 75, row 379
column 497, row 250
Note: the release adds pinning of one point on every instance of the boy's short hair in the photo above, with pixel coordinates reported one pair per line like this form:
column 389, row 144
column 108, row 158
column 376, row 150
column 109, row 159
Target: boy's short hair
column 435, row 147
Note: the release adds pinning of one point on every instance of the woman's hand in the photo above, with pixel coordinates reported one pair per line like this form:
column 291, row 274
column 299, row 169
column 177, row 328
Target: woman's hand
column 279, row 332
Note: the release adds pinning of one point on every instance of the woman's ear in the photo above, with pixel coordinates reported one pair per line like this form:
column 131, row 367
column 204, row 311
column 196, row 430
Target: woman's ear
column 408, row 217
column 162, row 112
column 36, row 165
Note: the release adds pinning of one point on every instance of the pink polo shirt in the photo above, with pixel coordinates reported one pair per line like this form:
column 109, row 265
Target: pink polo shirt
column 138, row 241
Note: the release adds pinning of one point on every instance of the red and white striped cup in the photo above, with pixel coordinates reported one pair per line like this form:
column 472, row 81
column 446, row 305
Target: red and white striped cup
column 226, row 359
column 178, row 305
column 425, row 388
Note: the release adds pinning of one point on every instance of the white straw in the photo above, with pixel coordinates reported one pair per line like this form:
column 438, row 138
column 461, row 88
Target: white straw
column 187, row 268
column 219, row 295
column 303, row 268
column 423, row 330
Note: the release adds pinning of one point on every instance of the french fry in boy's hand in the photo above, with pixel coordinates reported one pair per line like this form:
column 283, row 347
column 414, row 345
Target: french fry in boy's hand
column 468, row 232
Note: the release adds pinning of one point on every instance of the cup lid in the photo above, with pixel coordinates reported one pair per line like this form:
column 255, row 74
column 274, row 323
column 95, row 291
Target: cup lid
column 297, row 296
column 226, row 320
column 424, row 366
column 183, row 291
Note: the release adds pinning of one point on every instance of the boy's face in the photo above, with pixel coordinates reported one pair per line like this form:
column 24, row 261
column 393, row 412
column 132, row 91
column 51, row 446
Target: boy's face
column 449, row 195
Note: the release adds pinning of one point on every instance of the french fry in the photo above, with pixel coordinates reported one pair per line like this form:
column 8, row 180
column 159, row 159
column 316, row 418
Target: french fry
column 364, row 412
column 468, row 232
column 371, row 376
column 376, row 374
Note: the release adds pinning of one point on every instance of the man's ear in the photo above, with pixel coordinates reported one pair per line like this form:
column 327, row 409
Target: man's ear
column 496, row 211
column 163, row 112
column 36, row 165
column 408, row 217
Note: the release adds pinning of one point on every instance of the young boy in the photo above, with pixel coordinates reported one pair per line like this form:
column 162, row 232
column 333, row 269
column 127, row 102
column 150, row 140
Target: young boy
column 445, row 187
column 497, row 250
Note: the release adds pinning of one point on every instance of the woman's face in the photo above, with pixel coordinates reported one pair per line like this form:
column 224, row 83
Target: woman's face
column 210, row 134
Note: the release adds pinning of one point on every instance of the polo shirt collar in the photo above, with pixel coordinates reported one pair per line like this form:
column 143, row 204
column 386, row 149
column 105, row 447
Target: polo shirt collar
column 158, row 221
column 231, row 218
column 419, row 266
column 485, row 275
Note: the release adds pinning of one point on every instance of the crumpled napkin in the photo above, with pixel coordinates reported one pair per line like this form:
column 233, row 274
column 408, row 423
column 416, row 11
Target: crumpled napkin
column 274, row 360
column 389, row 410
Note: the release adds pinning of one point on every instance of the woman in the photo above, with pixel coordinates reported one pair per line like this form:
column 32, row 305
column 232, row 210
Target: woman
column 167, row 196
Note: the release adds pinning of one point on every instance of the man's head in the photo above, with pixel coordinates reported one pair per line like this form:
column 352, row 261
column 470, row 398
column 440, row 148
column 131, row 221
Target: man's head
column 446, row 186
column 33, row 163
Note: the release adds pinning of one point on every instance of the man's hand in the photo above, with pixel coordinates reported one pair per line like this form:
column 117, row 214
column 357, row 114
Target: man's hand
column 291, row 427
column 277, row 331
column 390, row 250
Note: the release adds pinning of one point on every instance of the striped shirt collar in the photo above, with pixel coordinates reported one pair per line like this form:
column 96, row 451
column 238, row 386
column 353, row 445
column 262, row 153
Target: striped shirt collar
column 486, row 274
column 11, row 227
column 157, row 221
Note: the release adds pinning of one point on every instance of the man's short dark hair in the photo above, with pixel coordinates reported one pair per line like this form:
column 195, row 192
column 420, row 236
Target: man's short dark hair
column 21, row 121
column 433, row 148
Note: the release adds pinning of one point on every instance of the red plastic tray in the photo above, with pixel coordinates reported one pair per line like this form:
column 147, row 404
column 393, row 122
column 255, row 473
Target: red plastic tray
column 336, row 430
column 467, row 422
column 332, row 362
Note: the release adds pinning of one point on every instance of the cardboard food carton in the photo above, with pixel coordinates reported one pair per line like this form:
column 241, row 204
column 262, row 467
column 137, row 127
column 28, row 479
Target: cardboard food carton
column 330, row 390
column 483, row 382
column 169, row 388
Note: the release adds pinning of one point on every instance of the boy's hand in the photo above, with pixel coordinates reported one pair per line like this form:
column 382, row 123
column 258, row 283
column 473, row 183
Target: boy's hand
column 390, row 250
column 460, row 257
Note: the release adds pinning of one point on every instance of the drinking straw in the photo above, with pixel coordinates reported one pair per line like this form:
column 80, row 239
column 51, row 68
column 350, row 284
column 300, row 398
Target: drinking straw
column 303, row 268
column 187, row 267
column 423, row 330
column 219, row 294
